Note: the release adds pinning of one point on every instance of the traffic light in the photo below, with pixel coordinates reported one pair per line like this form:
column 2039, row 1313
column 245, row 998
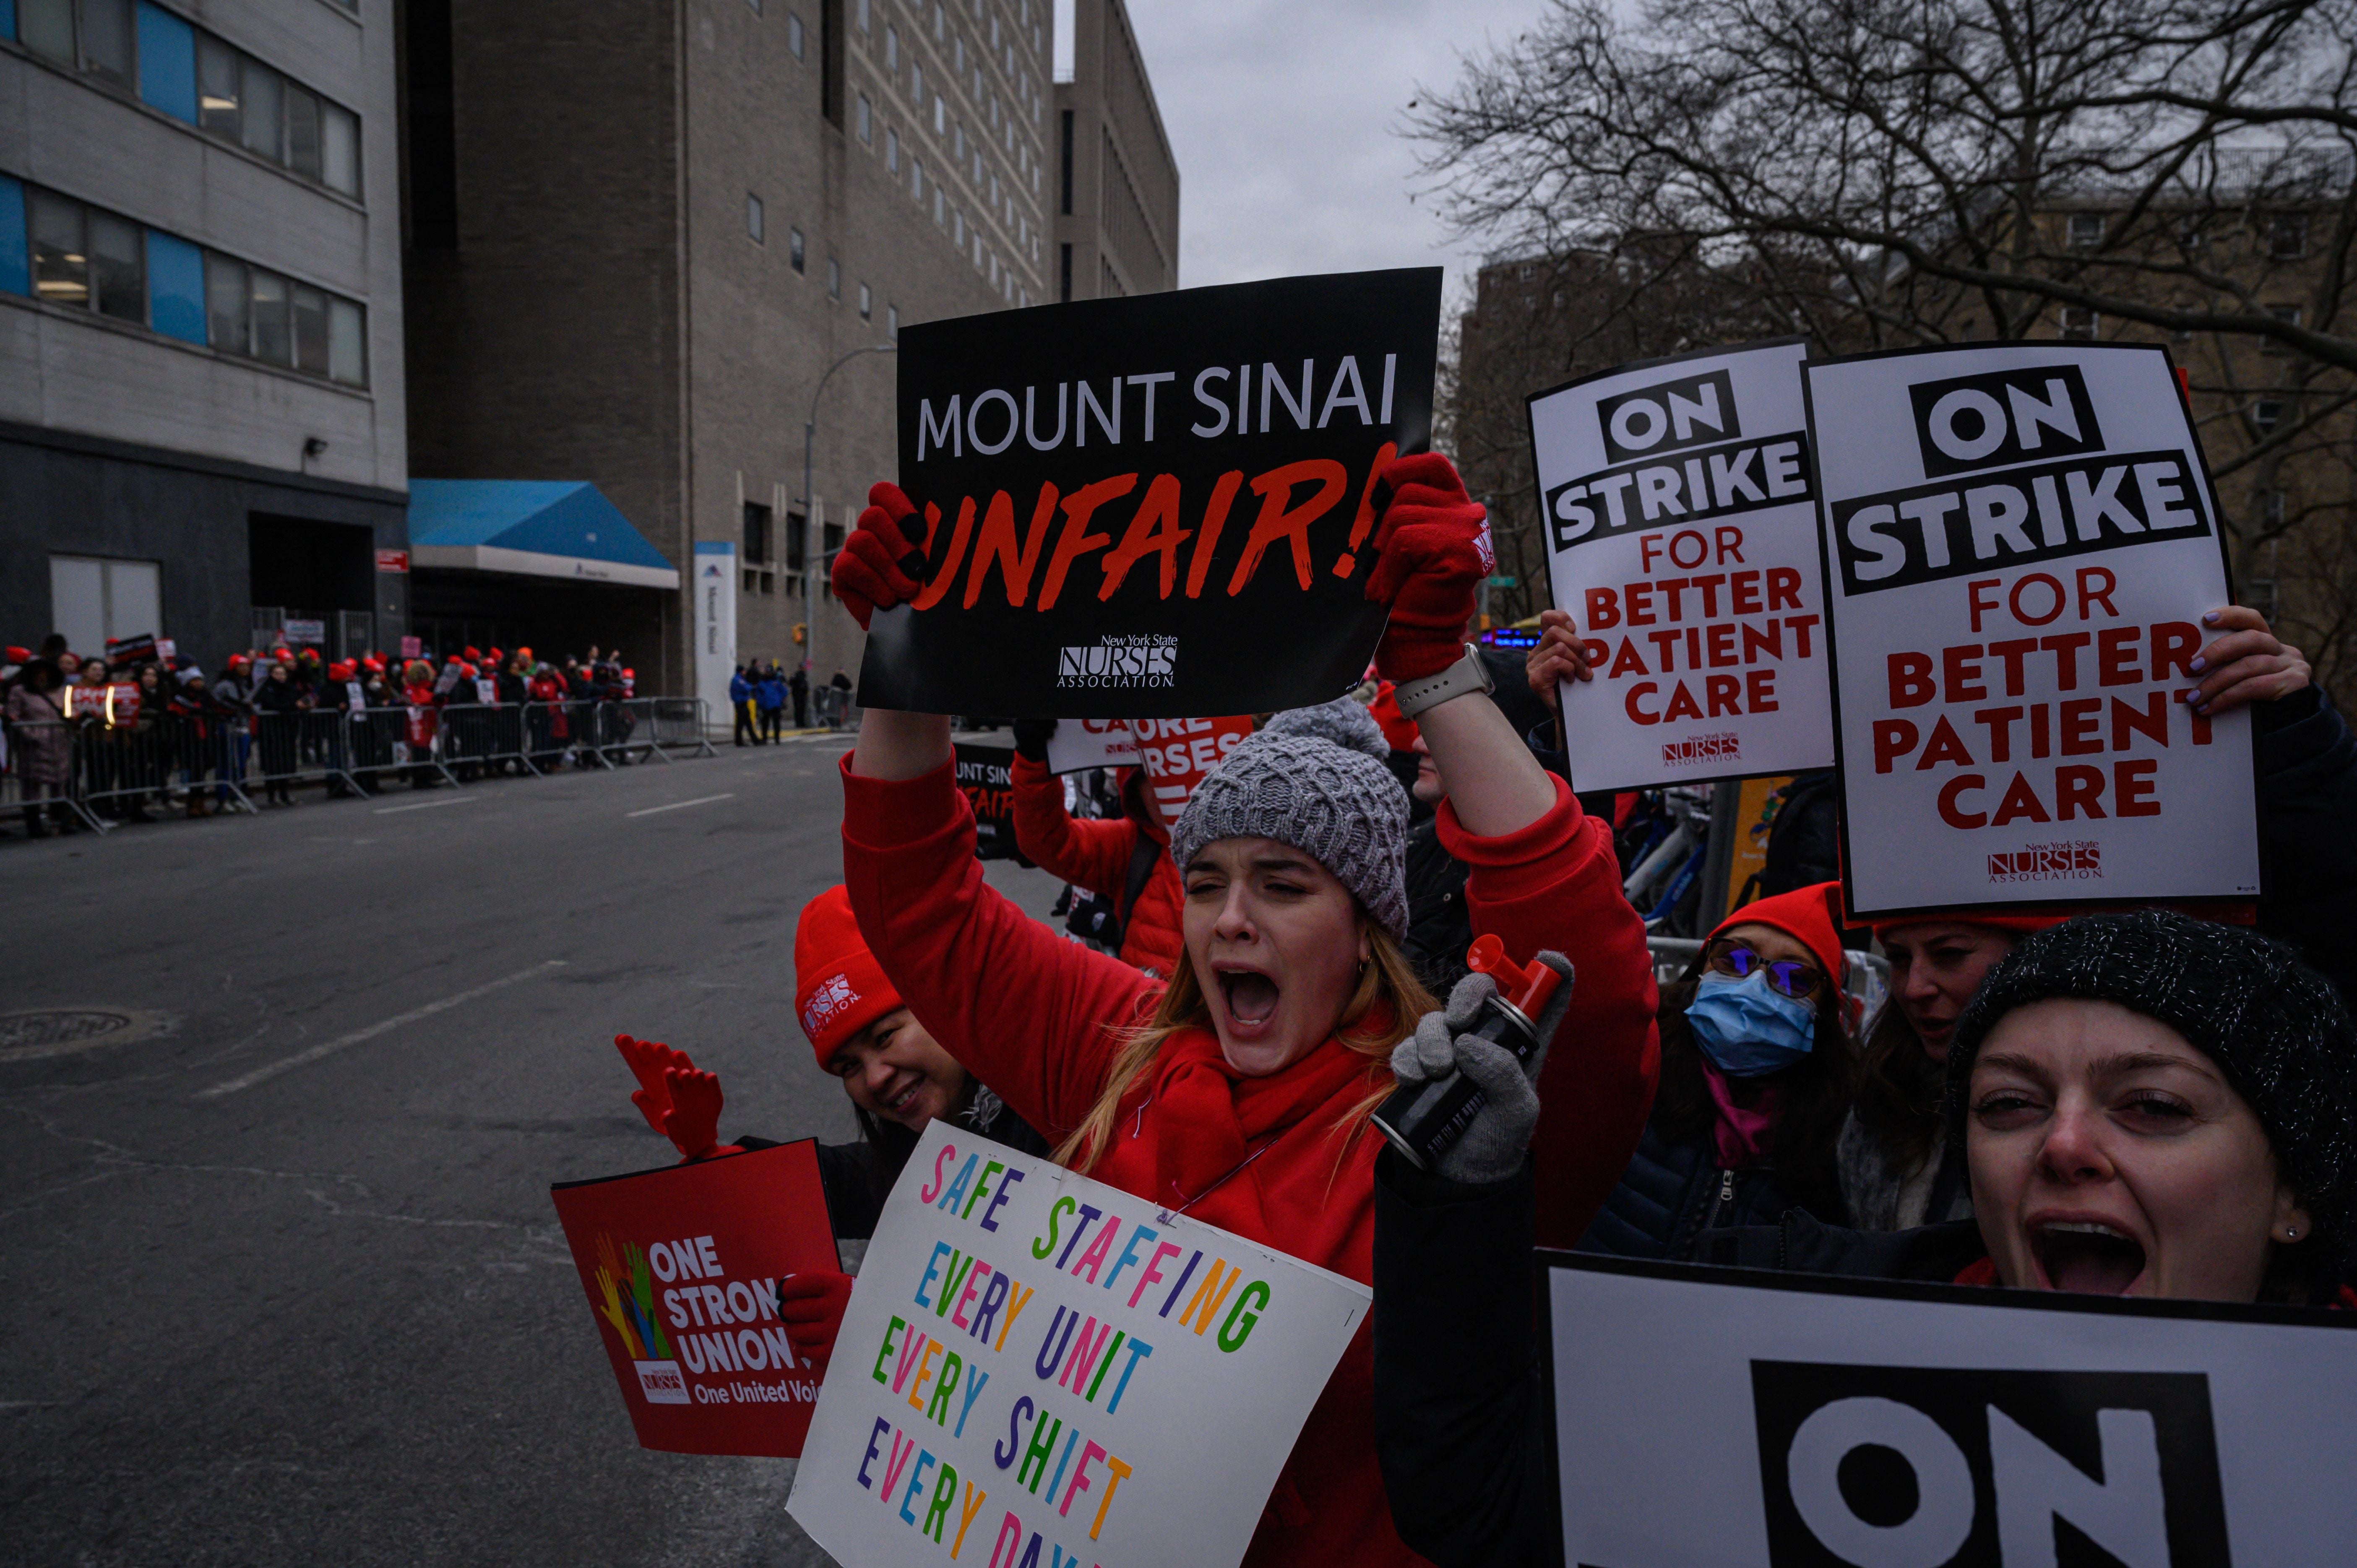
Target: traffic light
column 801, row 633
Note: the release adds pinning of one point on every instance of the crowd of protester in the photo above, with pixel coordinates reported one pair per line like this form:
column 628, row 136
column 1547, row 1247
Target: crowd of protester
column 141, row 727
column 2145, row 1102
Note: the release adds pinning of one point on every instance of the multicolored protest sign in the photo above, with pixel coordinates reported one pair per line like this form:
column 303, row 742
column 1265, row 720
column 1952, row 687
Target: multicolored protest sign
column 2021, row 542
column 680, row 1265
column 1153, row 506
column 1178, row 753
column 1038, row 1367
column 1682, row 537
column 1833, row 1420
column 1079, row 744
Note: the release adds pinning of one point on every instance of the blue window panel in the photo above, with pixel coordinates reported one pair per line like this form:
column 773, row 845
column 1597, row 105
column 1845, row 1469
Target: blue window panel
column 176, row 288
column 15, row 270
column 8, row 18
column 167, row 61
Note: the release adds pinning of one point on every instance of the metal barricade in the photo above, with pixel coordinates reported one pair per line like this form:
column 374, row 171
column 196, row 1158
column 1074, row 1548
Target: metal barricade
column 670, row 723
column 314, row 746
column 161, row 757
column 39, row 774
column 485, row 736
column 832, row 707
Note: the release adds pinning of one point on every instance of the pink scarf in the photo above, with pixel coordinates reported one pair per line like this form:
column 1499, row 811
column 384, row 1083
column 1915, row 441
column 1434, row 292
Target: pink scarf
column 1745, row 1138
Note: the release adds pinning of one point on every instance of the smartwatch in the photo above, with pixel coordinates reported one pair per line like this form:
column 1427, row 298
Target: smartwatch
column 1469, row 674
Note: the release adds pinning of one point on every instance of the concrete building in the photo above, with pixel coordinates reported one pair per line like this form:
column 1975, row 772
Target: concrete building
column 202, row 424
column 640, row 236
column 1118, row 185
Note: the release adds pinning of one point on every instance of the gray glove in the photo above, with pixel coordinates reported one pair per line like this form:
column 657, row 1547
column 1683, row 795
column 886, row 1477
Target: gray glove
column 1490, row 1149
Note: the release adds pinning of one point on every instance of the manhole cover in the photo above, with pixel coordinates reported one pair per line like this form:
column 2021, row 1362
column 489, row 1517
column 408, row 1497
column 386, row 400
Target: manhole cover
column 26, row 1037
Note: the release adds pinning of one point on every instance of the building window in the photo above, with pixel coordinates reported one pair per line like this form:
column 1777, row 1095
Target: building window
column 917, row 84
column 891, row 49
column 892, row 150
column 794, row 36
column 258, row 315
column 866, row 304
column 231, row 96
column 794, row 249
column 2290, row 315
column 917, row 180
column 61, row 256
column 753, row 218
column 118, row 268
column 859, row 14
column 940, row 115
column 2287, row 236
column 797, row 542
column 2266, row 413
column 957, row 228
column 2260, row 593
column 755, row 5
column 759, row 576
column 937, row 206
column 2078, row 322
column 866, row 121
column 893, row 323
column 2086, row 230
column 834, row 278
column 2273, row 508
column 93, row 601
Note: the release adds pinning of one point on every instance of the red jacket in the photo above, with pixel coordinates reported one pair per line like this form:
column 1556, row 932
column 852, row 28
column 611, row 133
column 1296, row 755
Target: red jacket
column 1096, row 855
column 965, row 960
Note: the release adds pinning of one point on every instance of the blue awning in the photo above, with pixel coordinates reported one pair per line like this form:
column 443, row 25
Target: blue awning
column 538, row 528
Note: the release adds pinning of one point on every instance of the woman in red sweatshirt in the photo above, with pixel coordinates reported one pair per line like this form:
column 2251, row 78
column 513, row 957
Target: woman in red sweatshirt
column 1240, row 1092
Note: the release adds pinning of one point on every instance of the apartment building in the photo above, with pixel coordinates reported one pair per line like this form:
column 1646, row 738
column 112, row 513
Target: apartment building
column 1116, row 182
column 649, row 241
column 201, row 411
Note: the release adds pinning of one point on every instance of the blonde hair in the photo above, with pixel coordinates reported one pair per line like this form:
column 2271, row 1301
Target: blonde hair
column 1388, row 977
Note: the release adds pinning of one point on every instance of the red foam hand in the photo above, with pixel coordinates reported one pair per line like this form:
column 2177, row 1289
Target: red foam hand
column 648, row 1059
column 811, row 1306
column 693, row 1120
column 880, row 562
column 1432, row 548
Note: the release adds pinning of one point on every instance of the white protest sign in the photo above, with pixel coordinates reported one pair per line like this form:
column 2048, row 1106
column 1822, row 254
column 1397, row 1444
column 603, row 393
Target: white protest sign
column 2023, row 542
column 1811, row 1412
column 1682, row 537
column 1035, row 1367
column 1079, row 744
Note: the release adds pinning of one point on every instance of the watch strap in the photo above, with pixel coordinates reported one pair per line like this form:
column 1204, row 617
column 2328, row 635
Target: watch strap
column 1466, row 675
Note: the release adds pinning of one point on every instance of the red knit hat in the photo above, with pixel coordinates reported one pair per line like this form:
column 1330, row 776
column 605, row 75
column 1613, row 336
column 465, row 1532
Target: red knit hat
column 1399, row 730
column 1809, row 915
column 839, row 988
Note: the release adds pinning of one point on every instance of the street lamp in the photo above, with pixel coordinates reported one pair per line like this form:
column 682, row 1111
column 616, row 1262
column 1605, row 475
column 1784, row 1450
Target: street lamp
column 810, row 555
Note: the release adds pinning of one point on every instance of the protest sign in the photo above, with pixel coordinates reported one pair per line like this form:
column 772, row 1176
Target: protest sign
column 2022, row 541
column 1682, row 538
column 1080, row 744
column 681, row 1265
column 985, row 777
column 1153, row 506
column 1847, row 1421
column 1178, row 753
column 1038, row 1367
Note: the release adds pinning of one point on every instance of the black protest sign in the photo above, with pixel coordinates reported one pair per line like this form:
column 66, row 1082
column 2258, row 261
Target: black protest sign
column 985, row 777
column 1155, row 507
column 1840, row 1421
column 2020, row 542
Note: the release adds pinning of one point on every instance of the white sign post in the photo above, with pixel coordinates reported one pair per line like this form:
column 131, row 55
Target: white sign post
column 2022, row 541
column 1763, row 1421
column 1682, row 538
column 714, row 592
column 1034, row 1360
column 1079, row 744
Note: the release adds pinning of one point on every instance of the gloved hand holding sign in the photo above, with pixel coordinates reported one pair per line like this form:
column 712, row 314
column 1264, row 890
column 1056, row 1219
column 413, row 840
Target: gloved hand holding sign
column 811, row 1306
column 878, row 564
column 1432, row 551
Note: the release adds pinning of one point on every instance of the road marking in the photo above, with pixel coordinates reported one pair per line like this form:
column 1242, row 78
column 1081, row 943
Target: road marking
column 329, row 1048
column 682, row 805
column 427, row 805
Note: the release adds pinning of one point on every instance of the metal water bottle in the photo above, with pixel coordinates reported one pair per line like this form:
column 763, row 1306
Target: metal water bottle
column 1424, row 1121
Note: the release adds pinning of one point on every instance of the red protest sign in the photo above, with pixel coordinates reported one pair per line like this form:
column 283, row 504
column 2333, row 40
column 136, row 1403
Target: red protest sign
column 679, row 1265
column 1177, row 752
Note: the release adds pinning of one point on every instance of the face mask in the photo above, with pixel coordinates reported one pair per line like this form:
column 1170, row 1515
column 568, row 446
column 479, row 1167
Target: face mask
column 1748, row 1030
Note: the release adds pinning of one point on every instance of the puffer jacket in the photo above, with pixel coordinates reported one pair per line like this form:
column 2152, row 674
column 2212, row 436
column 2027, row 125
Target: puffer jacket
column 1096, row 855
column 1674, row 1195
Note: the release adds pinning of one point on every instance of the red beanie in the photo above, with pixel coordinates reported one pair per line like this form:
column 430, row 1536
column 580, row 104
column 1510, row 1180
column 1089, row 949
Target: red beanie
column 1807, row 915
column 839, row 988
column 1399, row 731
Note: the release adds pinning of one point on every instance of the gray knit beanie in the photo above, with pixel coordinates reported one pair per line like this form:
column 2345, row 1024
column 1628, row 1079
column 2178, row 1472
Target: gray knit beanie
column 2275, row 1028
column 1316, row 780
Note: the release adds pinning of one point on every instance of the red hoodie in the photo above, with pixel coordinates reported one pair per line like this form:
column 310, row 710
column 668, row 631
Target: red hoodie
column 1096, row 855
column 965, row 960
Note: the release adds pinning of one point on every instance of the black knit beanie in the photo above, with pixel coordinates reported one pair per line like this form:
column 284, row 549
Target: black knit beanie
column 2275, row 1028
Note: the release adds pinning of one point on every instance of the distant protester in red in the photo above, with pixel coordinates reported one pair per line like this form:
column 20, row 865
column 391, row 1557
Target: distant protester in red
column 1240, row 1092
column 1126, row 859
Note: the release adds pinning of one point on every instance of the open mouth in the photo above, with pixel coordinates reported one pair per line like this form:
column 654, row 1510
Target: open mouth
column 1252, row 996
column 2087, row 1257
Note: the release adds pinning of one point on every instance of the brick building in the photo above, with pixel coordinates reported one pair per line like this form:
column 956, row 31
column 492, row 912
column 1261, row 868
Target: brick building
column 1117, row 187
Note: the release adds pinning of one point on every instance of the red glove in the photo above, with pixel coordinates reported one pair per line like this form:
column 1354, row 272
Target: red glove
column 648, row 1058
column 1432, row 547
column 693, row 1119
column 880, row 561
column 811, row 1306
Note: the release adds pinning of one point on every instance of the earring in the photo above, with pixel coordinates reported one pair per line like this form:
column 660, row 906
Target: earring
column 2291, row 1232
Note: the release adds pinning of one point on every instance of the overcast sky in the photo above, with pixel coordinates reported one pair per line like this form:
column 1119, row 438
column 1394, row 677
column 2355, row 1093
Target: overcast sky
column 1283, row 115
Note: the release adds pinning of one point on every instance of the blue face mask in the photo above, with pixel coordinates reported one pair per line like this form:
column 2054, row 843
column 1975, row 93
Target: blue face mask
column 1748, row 1030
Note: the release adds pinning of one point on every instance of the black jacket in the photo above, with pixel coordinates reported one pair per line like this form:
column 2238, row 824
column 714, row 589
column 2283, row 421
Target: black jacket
column 859, row 1175
column 1440, row 928
column 1674, row 1196
column 2307, row 832
column 1460, row 1416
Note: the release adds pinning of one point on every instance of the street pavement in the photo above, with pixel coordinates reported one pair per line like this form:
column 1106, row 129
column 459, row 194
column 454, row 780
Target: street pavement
column 281, row 1280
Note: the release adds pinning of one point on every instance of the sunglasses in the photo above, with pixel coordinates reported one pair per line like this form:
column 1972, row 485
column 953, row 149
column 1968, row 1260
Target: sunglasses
column 1786, row 977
